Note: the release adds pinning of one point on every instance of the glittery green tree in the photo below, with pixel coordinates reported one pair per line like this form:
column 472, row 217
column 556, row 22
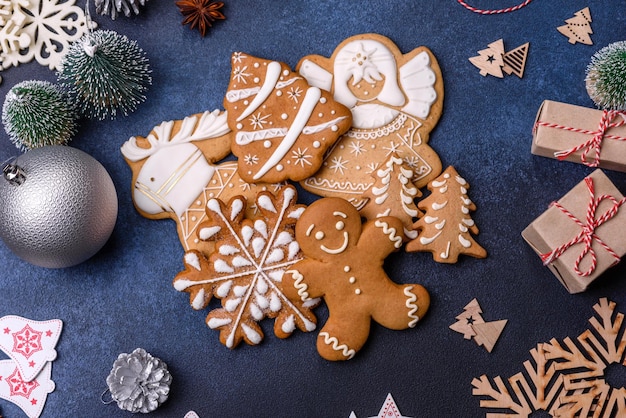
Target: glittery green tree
column 606, row 77
column 36, row 113
column 105, row 73
column 114, row 7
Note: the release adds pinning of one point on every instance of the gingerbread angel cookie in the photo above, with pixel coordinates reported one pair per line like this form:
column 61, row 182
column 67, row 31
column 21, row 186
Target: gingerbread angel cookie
column 343, row 263
column 396, row 100
column 282, row 125
column 174, row 172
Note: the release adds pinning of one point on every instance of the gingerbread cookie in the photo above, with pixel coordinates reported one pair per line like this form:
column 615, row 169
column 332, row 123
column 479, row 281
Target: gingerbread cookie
column 247, row 267
column 282, row 125
column 174, row 174
column 446, row 228
column 344, row 265
column 396, row 100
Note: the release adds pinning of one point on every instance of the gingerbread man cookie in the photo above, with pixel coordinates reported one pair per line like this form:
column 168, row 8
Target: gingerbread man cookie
column 343, row 263
column 174, row 173
column 396, row 100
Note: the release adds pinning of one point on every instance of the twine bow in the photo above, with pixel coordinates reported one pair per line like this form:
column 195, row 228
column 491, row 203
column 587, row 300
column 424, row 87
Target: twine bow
column 588, row 231
column 595, row 142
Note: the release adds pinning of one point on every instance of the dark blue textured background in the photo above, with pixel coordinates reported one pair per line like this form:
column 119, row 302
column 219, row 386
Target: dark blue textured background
column 123, row 298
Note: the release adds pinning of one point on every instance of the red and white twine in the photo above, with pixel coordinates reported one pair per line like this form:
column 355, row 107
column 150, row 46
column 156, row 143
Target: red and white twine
column 588, row 231
column 493, row 11
column 595, row 142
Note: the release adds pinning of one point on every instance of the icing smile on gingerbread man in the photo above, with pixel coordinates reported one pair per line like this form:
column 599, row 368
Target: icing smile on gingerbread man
column 321, row 235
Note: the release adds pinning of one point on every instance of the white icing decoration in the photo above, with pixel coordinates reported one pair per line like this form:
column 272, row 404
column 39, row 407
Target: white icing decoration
column 390, row 232
column 316, row 75
column 283, row 238
column 193, row 260
column 236, row 208
column 246, row 234
column 468, row 222
column 262, row 301
column 275, row 304
column 198, row 302
column 446, row 254
column 462, row 228
column 266, row 203
column 316, row 144
column 461, row 180
column 426, row 240
column 464, row 242
column 248, row 137
column 298, row 283
column 261, row 286
column 231, row 304
column 294, row 248
column 240, row 261
column 258, row 244
column 222, row 266
column 261, row 227
column 289, row 325
column 440, row 225
column 223, row 289
column 304, row 113
column 253, row 336
column 228, row 249
column 275, row 256
column 439, row 206
column 334, row 343
column 413, row 308
column 339, row 249
column 214, row 323
column 255, row 311
column 271, row 77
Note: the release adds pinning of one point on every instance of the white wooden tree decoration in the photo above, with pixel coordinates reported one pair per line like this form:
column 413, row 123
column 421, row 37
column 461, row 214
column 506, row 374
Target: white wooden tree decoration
column 446, row 229
column 515, row 60
column 489, row 61
column 578, row 28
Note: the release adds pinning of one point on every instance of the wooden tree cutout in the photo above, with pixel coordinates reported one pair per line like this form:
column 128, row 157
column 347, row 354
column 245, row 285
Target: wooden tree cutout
column 578, row 28
column 515, row 60
column 470, row 316
column 487, row 333
column 490, row 60
column 446, row 228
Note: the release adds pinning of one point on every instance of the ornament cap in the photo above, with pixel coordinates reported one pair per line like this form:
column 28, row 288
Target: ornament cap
column 12, row 172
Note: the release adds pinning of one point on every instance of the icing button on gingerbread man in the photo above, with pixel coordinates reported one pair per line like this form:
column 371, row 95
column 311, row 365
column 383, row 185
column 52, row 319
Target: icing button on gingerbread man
column 343, row 263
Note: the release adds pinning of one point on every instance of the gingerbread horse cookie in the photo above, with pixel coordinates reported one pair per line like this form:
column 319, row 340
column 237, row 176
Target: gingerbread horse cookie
column 175, row 173
column 343, row 263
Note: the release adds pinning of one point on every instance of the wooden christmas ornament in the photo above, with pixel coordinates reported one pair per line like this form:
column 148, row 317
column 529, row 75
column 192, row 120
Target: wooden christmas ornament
column 515, row 60
column 471, row 316
column 488, row 333
column 578, row 28
column 490, row 60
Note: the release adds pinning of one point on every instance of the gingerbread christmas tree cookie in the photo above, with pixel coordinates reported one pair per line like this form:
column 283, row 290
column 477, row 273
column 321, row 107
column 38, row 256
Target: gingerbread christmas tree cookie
column 446, row 229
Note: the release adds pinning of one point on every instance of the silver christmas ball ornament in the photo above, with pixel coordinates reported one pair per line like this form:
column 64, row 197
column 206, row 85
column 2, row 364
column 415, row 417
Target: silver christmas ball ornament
column 58, row 206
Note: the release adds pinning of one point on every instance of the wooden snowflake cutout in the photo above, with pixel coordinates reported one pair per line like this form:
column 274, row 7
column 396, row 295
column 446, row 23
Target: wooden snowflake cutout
column 245, row 270
column 565, row 378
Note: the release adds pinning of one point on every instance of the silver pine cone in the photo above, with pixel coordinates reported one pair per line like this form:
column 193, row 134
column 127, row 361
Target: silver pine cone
column 113, row 7
column 139, row 382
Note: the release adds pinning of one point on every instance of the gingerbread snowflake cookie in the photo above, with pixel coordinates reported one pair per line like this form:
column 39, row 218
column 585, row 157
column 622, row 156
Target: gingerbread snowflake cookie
column 246, row 269
column 396, row 100
column 175, row 172
column 282, row 125
column 343, row 263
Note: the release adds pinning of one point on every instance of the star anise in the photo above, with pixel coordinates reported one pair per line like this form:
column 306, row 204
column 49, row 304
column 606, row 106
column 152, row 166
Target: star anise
column 200, row 13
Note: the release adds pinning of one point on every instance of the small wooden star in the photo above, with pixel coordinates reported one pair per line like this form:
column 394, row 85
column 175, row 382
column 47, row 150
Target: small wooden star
column 200, row 13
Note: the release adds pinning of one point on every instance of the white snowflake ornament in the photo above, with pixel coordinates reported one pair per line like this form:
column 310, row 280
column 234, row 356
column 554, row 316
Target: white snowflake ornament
column 39, row 29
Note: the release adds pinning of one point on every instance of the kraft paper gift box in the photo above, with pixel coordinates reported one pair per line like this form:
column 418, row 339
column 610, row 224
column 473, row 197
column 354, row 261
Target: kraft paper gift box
column 593, row 137
column 593, row 208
